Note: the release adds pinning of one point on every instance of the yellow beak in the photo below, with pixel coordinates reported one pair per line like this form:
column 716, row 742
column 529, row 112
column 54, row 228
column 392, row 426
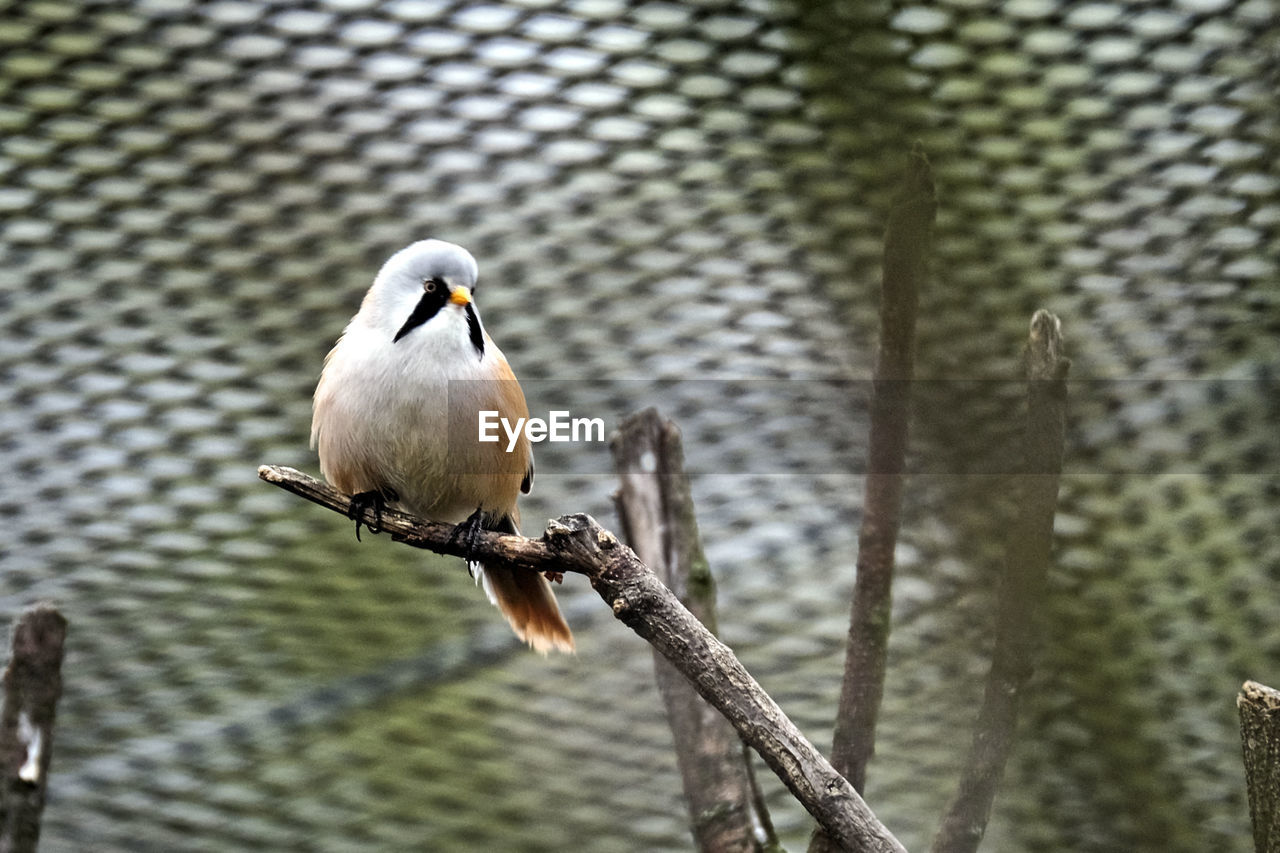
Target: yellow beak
column 460, row 296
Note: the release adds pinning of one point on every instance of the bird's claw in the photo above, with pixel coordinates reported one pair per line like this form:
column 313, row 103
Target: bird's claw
column 375, row 500
column 467, row 532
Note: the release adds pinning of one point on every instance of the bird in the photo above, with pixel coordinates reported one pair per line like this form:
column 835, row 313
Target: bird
column 395, row 414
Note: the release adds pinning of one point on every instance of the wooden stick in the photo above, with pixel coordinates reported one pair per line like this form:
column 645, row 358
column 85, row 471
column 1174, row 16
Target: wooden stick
column 32, row 687
column 1259, row 708
column 1027, row 554
column 655, row 505
column 906, row 252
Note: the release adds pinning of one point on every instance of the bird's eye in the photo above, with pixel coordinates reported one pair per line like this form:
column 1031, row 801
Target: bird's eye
column 430, row 285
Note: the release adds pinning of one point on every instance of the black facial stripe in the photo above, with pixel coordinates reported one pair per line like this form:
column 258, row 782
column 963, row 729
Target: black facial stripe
column 428, row 306
column 473, row 324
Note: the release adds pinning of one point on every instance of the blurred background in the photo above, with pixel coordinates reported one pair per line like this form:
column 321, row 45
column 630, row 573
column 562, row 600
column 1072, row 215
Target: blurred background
column 196, row 195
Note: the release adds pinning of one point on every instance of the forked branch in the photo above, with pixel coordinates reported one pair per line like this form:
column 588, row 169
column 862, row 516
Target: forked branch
column 577, row 544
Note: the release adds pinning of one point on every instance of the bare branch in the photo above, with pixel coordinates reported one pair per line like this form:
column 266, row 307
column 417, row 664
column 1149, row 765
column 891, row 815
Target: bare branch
column 1027, row 552
column 906, row 253
column 577, row 544
column 32, row 687
column 656, row 508
column 1259, row 708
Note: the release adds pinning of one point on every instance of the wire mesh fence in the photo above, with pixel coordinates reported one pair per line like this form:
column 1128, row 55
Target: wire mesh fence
column 195, row 196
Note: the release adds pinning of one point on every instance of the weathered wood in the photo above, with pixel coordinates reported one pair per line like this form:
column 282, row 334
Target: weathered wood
column 577, row 544
column 1027, row 557
column 905, row 266
column 655, row 505
column 32, row 687
column 1259, row 708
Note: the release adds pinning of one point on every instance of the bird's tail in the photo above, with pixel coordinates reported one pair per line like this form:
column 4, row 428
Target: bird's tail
column 525, row 598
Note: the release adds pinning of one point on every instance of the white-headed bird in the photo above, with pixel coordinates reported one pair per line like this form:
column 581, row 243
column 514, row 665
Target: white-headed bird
column 396, row 416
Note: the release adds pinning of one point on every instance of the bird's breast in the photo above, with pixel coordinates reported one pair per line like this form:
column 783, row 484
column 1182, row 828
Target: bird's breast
column 409, row 420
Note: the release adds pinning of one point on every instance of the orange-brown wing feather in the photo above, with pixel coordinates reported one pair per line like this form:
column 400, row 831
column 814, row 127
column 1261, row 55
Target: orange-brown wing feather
column 525, row 598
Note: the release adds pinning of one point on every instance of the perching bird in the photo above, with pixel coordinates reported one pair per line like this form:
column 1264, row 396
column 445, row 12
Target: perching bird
column 396, row 412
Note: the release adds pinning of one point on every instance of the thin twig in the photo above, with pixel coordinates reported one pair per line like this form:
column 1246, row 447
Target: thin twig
column 1259, row 708
column 577, row 544
column 655, row 505
column 906, row 253
column 1027, row 552
column 32, row 686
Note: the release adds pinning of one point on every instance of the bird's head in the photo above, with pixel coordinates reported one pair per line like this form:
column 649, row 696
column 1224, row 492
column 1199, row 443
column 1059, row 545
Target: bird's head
column 424, row 286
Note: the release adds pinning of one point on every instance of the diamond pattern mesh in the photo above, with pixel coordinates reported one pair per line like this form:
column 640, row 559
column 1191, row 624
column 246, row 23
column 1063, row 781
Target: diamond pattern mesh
column 195, row 196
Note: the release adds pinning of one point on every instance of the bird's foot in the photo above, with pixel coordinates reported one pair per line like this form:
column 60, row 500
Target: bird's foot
column 467, row 532
column 554, row 577
column 374, row 499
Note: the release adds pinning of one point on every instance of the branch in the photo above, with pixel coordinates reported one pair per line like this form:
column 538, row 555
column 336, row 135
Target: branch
column 1027, row 552
column 906, row 252
column 577, row 544
column 656, row 508
column 1259, row 708
column 32, row 686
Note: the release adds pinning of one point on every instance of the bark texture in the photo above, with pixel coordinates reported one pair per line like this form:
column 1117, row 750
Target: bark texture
column 655, row 506
column 32, row 687
column 1259, row 708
